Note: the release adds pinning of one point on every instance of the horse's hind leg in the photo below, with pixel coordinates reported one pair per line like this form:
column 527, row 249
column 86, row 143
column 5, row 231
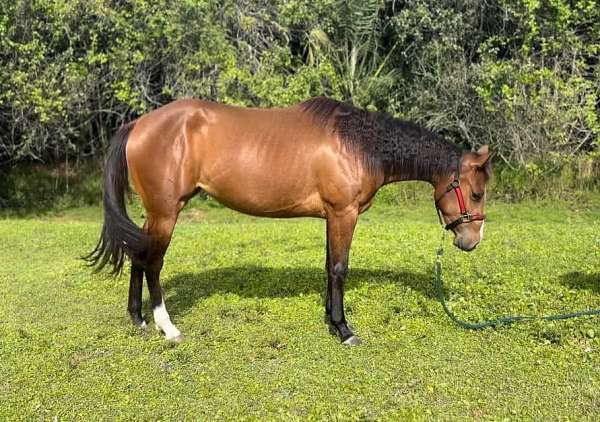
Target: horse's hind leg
column 134, row 304
column 160, row 229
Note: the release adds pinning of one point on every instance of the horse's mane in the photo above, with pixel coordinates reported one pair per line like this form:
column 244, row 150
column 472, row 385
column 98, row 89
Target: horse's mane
column 395, row 146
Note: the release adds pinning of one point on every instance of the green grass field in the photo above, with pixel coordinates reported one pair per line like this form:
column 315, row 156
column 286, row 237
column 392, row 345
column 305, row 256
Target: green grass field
column 248, row 293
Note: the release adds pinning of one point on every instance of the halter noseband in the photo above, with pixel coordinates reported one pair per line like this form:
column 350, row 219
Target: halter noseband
column 465, row 216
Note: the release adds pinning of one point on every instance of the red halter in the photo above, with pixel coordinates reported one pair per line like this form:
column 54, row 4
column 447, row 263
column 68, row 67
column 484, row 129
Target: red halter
column 465, row 216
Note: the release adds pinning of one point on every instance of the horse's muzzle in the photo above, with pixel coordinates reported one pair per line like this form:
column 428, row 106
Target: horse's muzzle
column 464, row 245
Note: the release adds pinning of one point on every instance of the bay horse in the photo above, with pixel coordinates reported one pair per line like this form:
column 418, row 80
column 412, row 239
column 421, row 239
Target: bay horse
column 320, row 158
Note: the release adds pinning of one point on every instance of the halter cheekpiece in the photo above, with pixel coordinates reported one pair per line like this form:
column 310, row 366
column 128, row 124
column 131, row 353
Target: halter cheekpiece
column 465, row 216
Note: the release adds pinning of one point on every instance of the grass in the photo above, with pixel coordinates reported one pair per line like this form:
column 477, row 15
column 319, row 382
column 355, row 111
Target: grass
column 248, row 292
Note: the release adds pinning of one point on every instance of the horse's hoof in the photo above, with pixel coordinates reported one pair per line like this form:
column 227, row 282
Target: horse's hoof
column 139, row 322
column 179, row 339
column 352, row 341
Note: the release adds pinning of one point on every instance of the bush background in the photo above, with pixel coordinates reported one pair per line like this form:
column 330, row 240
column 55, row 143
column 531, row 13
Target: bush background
column 520, row 75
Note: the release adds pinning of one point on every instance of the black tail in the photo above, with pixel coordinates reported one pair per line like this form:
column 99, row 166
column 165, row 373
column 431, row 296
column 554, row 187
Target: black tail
column 120, row 236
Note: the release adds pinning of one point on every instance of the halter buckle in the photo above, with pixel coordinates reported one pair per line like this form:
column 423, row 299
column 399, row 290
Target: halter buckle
column 455, row 183
column 467, row 217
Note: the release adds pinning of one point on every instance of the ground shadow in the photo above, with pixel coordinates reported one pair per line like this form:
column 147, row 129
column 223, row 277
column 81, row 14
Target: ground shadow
column 186, row 289
column 579, row 280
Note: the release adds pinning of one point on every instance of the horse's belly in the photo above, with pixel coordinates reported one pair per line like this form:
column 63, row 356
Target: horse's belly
column 265, row 196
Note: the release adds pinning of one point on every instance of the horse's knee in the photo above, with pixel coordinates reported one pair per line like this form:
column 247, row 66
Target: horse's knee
column 339, row 270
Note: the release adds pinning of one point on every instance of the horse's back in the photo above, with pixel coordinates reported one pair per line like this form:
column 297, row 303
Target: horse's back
column 271, row 162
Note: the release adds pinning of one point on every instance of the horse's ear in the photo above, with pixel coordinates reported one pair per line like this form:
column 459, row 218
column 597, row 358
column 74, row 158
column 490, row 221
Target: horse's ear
column 484, row 151
column 481, row 161
column 480, row 158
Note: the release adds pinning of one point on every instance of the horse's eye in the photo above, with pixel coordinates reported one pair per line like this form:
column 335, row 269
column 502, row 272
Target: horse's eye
column 476, row 196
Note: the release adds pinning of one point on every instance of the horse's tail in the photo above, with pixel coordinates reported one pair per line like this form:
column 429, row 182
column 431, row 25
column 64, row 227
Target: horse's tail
column 119, row 236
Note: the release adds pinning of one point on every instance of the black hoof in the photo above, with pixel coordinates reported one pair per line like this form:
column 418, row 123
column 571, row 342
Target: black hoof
column 342, row 331
column 139, row 322
column 352, row 341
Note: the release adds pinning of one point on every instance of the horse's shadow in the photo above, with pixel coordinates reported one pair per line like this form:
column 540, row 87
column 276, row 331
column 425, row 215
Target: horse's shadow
column 579, row 280
column 184, row 290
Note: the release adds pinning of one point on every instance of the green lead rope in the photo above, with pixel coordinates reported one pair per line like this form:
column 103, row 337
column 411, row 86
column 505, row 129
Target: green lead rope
column 439, row 288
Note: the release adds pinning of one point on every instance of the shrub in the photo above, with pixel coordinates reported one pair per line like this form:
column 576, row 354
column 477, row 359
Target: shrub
column 520, row 75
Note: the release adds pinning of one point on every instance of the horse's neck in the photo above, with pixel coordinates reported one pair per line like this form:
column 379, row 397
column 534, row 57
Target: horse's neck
column 429, row 167
column 403, row 150
column 401, row 177
column 397, row 149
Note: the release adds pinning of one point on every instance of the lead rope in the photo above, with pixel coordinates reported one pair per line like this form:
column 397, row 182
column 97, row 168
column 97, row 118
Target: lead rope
column 439, row 289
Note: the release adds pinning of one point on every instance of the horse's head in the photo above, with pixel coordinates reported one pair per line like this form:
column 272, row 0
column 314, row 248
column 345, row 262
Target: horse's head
column 460, row 199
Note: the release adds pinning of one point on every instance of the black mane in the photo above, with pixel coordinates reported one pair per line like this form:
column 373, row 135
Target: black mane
column 397, row 147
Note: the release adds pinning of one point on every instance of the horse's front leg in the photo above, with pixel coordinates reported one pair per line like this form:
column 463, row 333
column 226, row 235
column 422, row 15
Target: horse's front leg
column 329, row 281
column 340, row 228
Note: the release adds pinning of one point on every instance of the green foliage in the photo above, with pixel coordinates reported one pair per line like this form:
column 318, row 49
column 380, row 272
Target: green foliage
column 537, row 79
column 74, row 71
column 521, row 75
column 556, row 177
column 37, row 189
column 248, row 295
